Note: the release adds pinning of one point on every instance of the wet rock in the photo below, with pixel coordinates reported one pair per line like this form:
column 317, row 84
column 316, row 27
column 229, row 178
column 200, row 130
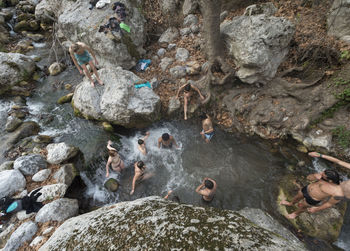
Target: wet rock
column 194, row 29
column 7, row 14
column 67, row 86
column 23, row 233
column 60, row 152
column 165, row 62
column 223, row 15
column 12, row 123
column 66, row 174
column 107, row 127
column 313, row 139
column 42, row 139
column 338, row 21
column 302, row 149
column 190, row 20
column 37, row 240
column 168, row 7
column 30, row 164
column 41, row 175
column 174, row 105
column 117, row 102
column 154, row 83
column 53, row 191
column 58, row 210
column 26, row 26
column 56, row 68
column 178, row 71
column 268, row 9
column 223, row 228
column 301, row 163
column 65, row 99
column 7, row 165
column 190, row 7
column 169, row 35
column 4, row 35
column 50, row 8
column 11, row 182
column 111, row 185
column 14, row 68
column 258, row 44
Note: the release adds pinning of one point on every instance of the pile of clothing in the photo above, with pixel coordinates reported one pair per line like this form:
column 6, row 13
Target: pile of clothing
column 115, row 24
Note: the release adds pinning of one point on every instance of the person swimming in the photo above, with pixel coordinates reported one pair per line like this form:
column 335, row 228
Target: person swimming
column 166, row 141
column 141, row 144
column 114, row 160
column 207, row 125
column 207, row 189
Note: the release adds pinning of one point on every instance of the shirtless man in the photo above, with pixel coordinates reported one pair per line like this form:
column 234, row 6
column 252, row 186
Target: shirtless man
column 140, row 174
column 142, row 144
column 207, row 189
column 167, row 141
column 187, row 95
column 317, row 196
column 208, row 130
column 113, row 159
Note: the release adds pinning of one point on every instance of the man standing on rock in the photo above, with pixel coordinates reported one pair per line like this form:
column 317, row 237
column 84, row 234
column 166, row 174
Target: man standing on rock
column 208, row 130
column 81, row 56
column 188, row 92
column 323, row 193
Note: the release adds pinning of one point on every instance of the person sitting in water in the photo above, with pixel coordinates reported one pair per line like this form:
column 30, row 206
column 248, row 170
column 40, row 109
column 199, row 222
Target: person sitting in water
column 187, row 95
column 142, row 144
column 140, row 174
column 114, row 160
column 81, row 56
column 208, row 130
column 207, row 189
column 317, row 196
column 167, row 141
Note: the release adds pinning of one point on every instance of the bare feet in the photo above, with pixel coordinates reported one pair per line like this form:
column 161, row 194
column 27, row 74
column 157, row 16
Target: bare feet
column 185, row 117
column 92, row 83
column 100, row 82
column 286, row 203
column 291, row 216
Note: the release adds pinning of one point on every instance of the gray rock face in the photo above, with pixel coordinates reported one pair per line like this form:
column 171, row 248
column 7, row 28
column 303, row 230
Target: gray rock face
column 169, row 35
column 66, row 174
column 182, row 54
column 174, row 105
column 41, row 175
column 14, row 67
column 30, row 164
column 259, row 44
column 118, row 102
column 60, row 152
column 161, row 52
column 78, row 24
column 190, row 20
column 56, row 68
column 165, row 62
column 185, row 31
column 11, row 182
column 256, row 9
column 338, row 21
column 154, row 223
column 58, row 210
column 7, row 165
column 23, row 233
column 50, row 192
column 12, row 123
column 168, row 6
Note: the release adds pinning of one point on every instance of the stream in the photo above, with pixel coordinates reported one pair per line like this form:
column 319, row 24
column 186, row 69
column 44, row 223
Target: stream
column 246, row 171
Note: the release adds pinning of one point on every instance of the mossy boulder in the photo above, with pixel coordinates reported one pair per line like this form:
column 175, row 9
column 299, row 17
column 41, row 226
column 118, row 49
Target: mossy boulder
column 107, row 127
column 65, row 99
column 25, row 25
column 156, row 224
column 112, row 185
column 325, row 224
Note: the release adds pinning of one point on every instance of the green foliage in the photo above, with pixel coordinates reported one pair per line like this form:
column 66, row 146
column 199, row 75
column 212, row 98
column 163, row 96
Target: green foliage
column 340, row 82
column 342, row 136
column 345, row 55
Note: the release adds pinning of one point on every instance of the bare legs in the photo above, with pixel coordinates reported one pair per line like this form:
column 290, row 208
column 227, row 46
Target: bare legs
column 87, row 73
column 302, row 206
column 119, row 168
column 185, row 106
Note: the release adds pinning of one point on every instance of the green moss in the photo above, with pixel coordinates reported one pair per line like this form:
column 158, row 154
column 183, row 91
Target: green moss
column 130, row 46
column 342, row 136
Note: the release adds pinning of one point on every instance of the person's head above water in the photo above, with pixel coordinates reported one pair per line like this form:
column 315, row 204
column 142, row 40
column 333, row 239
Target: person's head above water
column 140, row 164
column 140, row 141
column 333, row 176
column 76, row 47
column 208, row 184
column 203, row 116
column 187, row 87
column 165, row 136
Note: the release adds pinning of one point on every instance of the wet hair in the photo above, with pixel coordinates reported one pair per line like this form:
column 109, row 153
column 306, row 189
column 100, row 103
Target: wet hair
column 332, row 176
column 165, row 136
column 208, row 184
column 112, row 153
column 140, row 141
column 140, row 164
column 75, row 47
column 188, row 87
column 203, row 116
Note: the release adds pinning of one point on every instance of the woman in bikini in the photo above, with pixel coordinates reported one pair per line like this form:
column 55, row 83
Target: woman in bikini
column 114, row 160
column 140, row 174
column 81, row 56
column 187, row 95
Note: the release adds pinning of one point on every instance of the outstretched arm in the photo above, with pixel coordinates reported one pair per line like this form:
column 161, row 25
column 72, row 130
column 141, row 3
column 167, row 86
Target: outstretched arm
column 136, row 176
column 330, row 158
column 179, row 90
column 197, row 90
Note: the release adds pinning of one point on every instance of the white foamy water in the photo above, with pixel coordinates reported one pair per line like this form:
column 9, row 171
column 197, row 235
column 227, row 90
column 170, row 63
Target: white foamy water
column 38, row 45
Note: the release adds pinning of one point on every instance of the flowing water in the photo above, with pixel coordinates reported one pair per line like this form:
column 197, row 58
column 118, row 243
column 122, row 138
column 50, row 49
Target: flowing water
column 246, row 171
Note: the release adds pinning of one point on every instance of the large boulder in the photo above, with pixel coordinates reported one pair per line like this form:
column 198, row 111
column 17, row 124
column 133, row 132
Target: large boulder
column 60, row 152
column 258, row 45
column 58, row 210
column 66, row 174
column 30, row 164
column 338, row 21
column 48, row 9
column 14, row 68
column 53, row 191
column 11, row 182
column 154, row 223
column 78, row 23
column 118, row 101
column 23, row 233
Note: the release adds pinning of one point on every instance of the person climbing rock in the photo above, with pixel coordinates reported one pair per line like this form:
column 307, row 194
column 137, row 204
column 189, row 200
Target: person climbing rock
column 166, row 141
column 114, row 160
column 207, row 189
column 142, row 144
column 207, row 125
column 188, row 92
column 317, row 196
column 140, row 174
column 81, row 56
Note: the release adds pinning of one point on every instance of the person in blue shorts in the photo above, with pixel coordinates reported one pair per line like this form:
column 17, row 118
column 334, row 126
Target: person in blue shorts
column 82, row 56
column 208, row 130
